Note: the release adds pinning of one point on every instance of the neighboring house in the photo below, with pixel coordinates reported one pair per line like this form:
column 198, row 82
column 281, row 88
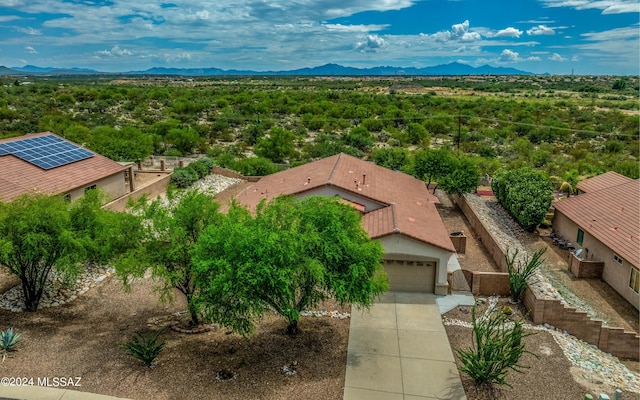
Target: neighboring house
column 46, row 163
column 397, row 210
column 604, row 221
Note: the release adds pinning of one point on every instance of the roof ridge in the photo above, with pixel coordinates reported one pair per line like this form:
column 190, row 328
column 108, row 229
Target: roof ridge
column 335, row 167
column 396, row 229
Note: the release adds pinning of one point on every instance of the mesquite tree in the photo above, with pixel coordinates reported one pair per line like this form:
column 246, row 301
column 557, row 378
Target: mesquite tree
column 170, row 231
column 287, row 258
column 36, row 235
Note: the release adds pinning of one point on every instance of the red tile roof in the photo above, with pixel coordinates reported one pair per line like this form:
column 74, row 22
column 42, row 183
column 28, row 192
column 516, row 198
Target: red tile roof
column 18, row 177
column 611, row 215
column 602, row 181
column 407, row 206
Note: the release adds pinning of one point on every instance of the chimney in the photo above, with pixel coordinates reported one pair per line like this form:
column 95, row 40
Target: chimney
column 364, row 177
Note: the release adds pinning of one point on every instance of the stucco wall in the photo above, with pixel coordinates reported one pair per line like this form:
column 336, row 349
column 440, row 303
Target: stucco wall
column 151, row 190
column 113, row 187
column 616, row 275
column 330, row 191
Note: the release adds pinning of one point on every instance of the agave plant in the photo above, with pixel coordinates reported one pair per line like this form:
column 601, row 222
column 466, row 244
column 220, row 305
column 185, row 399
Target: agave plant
column 145, row 347
column 9, row 341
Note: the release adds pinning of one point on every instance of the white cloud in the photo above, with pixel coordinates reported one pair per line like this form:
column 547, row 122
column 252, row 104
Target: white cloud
column 557, row 57
column 115, row 51
column 459, row 32
column 30, row 50
column 607, row 6
column 29, row 30
column 509, row 56
column 508, row 32
column 540, row 30
column 7, row 18
column 371, row 43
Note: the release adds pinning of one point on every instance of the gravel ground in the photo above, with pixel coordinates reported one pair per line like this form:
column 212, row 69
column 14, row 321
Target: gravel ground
column 579, row 363
column 84, row 338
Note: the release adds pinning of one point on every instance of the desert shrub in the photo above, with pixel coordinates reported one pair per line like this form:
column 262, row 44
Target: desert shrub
column 208, row 162
column 183, row 177
column 200, row 169
column 9, row 341
column 255, row 166
column 496, row 348
column 145, row 347
column 520, row 270
column 525, row 193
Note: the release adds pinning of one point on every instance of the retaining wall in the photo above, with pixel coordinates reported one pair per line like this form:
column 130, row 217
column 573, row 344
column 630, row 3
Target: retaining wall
column 488, row 283
column 153, row 189
column 233, row 174
column 617, row 341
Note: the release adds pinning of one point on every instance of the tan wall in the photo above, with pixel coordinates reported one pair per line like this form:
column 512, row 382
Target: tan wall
column 585, row 269
column 112, row 186
column 151, row 190
column 488, row 283
column 490, row 243
column 233, row 174
column 620, row 343
column 616, row 275
column 330, row 191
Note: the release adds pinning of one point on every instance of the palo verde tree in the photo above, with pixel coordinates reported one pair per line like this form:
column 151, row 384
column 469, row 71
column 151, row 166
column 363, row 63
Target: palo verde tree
column 36, row 235
column 287, row 258
column 169, row 235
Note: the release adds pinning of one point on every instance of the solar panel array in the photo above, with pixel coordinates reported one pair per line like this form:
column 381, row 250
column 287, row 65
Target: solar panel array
column 46, row 152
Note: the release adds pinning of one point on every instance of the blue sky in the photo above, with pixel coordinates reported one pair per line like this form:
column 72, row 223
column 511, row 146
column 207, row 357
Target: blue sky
column 555, row 36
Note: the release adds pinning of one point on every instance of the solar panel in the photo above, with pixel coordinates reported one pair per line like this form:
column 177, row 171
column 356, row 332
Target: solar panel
column 46, row 151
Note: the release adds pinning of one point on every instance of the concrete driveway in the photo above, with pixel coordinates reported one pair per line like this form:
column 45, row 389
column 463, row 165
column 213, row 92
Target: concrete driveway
column 398, row 350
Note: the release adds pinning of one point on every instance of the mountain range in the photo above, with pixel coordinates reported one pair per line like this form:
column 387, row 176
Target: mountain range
column 323, row 70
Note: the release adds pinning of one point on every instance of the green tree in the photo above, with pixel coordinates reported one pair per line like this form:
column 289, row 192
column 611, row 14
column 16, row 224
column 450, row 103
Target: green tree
column 418, row 134
column 525, row 193
column 126, row 144
column 289, row 257
column 431, row 165
column 168, row 240
column 462, row 178
column 570, row 183
column 395, row 158
column 278, row 147
column 36, row 235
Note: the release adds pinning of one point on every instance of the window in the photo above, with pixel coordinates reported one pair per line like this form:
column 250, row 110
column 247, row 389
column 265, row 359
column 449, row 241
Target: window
column 580, row 238
column 90, row 188
column 67, row 197
column 617, row 259
column 634, row 281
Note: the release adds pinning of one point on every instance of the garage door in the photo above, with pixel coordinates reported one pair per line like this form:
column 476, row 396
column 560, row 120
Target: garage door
column 411, row 276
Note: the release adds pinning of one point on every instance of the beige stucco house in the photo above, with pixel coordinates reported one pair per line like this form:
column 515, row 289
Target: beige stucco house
column 46, row 163
column 397, row 210
column 604, row 221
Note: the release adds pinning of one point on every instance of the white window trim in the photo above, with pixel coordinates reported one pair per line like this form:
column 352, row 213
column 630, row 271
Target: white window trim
column 617, row 258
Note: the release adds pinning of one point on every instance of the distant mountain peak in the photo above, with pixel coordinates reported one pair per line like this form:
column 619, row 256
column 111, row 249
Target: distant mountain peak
column 329, row 69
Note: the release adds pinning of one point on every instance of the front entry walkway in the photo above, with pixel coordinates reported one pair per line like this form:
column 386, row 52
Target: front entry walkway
column 398, row 350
